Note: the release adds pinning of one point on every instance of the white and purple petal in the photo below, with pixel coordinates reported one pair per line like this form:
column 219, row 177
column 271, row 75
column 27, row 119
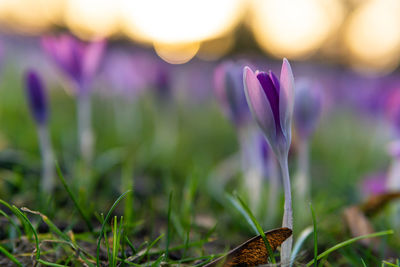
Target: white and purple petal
column 286, row 99
column 259, row 105
column 272, row 92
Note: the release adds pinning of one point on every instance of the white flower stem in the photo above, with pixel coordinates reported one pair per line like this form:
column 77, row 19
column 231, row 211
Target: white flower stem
column 47, row 181
column 251, row 163
column 287, row 213
column 85, row 133
column 273, row 175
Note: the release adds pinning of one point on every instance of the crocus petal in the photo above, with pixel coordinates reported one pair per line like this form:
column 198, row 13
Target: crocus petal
column 36, row 97
column 93, row 55
column 272, row 94
column 274, row 80
column 286, row 99
column 235, row 94
column 307, row 107
column 78, row 60
column 219, row 85
column 62, row 50
column 228, row 82
column 259, row 104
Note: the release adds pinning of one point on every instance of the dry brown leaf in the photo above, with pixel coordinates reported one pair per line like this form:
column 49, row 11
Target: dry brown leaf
column 376, row 203
column 253, row 252
column 359, row 224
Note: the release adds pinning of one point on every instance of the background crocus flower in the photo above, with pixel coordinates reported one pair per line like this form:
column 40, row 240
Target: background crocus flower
column 78, row 60
column 307, row 107
column 162, row 81
column 392, row 109
column 271, row 102
column 374, row 184
column 36, row 97
column 36, row 94
column 307, row 110
column 228, row 84
column 123, row 75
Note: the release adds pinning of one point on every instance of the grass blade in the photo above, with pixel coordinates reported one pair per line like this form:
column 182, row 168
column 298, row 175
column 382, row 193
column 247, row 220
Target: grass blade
column 11, row 221
column 104, row 224
column 53, row 228
column 250, row 217
column 237, row 206
column 363, row 263
column 168, row 226
column 348, row 242
column 300, row 240
column 22, row 215
column 314, row 220
column 24, row 224
column 46, row 263
column 10, row 256
column 64, row 183
column 389, row 264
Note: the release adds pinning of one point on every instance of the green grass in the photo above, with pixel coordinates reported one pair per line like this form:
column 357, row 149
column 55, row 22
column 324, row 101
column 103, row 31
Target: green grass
column 145, row 151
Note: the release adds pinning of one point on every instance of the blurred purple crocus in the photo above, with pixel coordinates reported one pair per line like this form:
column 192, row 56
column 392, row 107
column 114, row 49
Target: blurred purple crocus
column 122, row 75
column 271, row 102
column 307, row 110
column 374, row 184
column 392, row 108
column 78, row 60
column 228, row 83
column 307, row 107
column 36, row 93
column 36, row 97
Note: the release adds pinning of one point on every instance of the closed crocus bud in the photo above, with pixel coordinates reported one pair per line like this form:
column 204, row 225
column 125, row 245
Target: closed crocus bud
column 271, row 102
column 36, row 97
column 78, row 60
column 307, row 107
column 162, row 81
column 228, row 83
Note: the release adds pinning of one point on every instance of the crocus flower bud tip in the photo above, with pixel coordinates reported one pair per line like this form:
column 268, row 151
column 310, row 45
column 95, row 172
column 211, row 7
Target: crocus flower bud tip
column 36, row 96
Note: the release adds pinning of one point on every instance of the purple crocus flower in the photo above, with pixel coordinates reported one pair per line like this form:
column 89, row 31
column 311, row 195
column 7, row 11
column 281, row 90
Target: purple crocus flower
column 78, row 60
column 307, row 107
column 162, row 81
column 374, row 184
column 392, row 109
column 122, row 75
column 271, row 102
column 36, row 97
column 228, row 82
